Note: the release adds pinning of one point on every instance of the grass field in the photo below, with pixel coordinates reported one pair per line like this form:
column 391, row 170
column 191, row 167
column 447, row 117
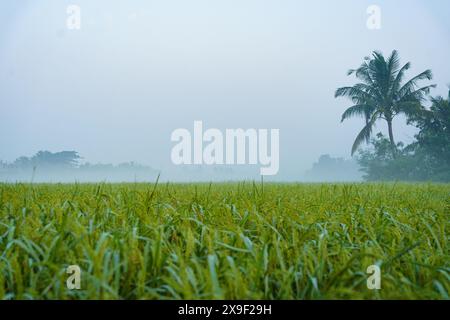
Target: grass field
column 232, row 241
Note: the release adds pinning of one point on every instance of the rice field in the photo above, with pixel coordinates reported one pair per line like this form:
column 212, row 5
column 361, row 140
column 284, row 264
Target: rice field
column 224, row 241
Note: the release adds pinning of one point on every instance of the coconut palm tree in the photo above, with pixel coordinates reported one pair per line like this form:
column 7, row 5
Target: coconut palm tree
column 381, row 94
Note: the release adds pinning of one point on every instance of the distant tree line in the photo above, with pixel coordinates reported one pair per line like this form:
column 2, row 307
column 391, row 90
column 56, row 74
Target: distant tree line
column 65, row 166
column 382, row 94
column 331, row 169
column 46, row 159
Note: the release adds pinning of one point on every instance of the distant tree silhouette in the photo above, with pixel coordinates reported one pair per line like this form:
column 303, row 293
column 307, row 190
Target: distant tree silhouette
column 64, row 159
column 381, row 94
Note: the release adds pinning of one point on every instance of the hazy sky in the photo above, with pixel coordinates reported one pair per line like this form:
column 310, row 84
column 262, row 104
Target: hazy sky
column 116, row 89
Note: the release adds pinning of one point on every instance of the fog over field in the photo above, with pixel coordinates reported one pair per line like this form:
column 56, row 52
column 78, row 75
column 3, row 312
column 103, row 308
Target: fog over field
column 233, row 157
column 115, row 90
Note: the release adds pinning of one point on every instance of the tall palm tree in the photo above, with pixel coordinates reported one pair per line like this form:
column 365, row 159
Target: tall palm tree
column 381, row 94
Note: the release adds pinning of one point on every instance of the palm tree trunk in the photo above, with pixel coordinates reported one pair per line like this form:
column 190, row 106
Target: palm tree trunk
column 391, row 138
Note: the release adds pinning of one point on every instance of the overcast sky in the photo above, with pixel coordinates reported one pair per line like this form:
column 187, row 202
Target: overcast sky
column 116, row 89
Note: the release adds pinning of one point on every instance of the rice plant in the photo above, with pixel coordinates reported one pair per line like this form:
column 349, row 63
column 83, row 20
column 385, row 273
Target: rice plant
column 224, row 241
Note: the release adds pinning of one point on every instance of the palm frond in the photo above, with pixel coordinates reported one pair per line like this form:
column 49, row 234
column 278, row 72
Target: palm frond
column 399, row 78
column 354, row 92
column 411, row 84
column 393, row 64
column 365, row 133
column 379, row 72
column 418, row 94
column 362, row 110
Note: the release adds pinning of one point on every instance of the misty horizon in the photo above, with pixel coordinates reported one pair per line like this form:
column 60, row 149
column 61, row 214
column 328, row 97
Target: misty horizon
column 116, row 89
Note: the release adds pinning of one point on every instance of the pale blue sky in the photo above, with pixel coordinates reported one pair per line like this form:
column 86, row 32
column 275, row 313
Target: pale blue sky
column 137, row 70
